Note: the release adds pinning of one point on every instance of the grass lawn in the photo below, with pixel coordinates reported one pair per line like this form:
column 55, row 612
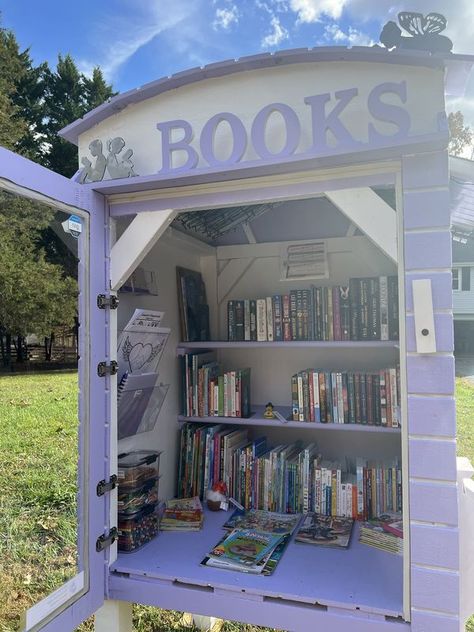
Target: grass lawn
column 37, row 494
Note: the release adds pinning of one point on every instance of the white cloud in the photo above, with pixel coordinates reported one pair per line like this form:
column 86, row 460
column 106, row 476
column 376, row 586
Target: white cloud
column 352, row 37
column 225, row 18
column 119, row 38
column 312, row 10
column 276, row 35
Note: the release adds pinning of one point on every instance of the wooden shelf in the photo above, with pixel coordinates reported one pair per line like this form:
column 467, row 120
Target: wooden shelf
column 186, row 347
column 257, row 419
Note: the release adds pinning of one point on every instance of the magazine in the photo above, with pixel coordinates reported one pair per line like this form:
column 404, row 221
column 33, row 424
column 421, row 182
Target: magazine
column 268, row 521
column 329, row 531
column 245, row 547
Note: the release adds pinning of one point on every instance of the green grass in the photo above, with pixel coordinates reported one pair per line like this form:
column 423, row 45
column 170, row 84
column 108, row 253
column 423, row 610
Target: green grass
column 38, row 453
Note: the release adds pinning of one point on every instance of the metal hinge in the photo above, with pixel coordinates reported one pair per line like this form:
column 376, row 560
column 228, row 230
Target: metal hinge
column 104, row 301
column 104, row 369
column 103, row 487
column 104, row 541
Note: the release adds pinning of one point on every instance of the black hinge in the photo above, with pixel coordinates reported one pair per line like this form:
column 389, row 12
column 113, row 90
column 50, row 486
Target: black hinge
column 103, row 487
column 104, row 301
column 104, row 369
column 104, row 541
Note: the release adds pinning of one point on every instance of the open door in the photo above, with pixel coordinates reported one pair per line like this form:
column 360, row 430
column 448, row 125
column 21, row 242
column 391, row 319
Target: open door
column 59, row 529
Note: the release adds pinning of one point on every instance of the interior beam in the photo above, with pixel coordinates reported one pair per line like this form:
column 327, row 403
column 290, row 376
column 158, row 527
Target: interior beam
column 372, row 215
column 136, row 242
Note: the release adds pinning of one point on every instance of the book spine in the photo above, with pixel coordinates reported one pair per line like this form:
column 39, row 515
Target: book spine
column 293, row 315
column 345, row 398
column 277, row 317
column 322, row 397
column 294, row 398
column 305, row 396
column 253, row 319
column 358, row 413
column 377, row 399
column 300, row 398
column 335, row 398
column 369, row 399
column 270, row 329
column 354, row 289
column 383, row 398
column 238, row 400
column 389, row 398
column 317, row 405
column 299, row 315
column 364, row 308
column 336, row 310
column 344, row 312
column 311, row 396
column 261, row 320
column 286, row 317
column 363, row 398
column 374, row 312
column 231, row 331
column 247, row 319
column 340, row 398
column 351, row 398
column 330, row 315
column 305, row 315
column 239, row 320
column 393, row 319
column 383, row 289
column 393, row 397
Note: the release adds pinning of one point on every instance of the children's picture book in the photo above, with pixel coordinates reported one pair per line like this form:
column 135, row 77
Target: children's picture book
column 384, row 533
column 245, row 547
column 268, row 521
column 182, row 514
column 329, row 531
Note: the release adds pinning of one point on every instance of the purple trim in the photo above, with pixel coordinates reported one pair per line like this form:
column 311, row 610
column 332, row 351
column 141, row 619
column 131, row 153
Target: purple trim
column 254, row 62
column 433, row 622
column 243, row 196
column 257, row 419
column 35, row 178
column 237, row 606
column 435, row 589
column 435, row 546
column 333, row 157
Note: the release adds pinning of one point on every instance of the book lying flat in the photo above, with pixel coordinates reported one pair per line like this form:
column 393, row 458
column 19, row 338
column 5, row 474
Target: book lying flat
column 385, row 534
column 244, row 550
column 329, row 531
column 182, row 514
column 268, row 521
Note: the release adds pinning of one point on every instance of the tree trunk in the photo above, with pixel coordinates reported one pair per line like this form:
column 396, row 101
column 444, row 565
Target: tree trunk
column 8, row 349
column 20, row 349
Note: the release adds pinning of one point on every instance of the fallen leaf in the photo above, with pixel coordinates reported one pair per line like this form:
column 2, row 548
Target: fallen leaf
column 27, row 580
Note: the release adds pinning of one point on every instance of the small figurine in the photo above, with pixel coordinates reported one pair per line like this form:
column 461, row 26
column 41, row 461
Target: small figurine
column 269, row 414
column 216, row 496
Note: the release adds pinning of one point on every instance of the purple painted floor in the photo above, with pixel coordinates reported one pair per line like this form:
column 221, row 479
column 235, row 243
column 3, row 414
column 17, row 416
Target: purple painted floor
column 359, row 577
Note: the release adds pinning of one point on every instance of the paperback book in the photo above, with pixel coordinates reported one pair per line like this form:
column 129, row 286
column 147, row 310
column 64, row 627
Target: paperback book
column 182, row 514
column 328, row 531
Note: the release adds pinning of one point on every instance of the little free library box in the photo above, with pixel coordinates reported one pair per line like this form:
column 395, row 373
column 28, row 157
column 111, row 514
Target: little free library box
column 301, row 201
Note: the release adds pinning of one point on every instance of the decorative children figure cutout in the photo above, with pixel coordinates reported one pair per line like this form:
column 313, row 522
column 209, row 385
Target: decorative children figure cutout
column 119, row 166
column 93, row 173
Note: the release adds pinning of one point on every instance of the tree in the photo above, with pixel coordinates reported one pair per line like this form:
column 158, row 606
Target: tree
column 461, row 136
column 37, row 295
column 68, row 96
column 12, row 126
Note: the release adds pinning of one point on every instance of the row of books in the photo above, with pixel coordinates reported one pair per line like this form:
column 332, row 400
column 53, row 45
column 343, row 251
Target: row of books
column 384, row 533
column 347, row 397
column 207, row 391
column 366, row 309
column 291, row 478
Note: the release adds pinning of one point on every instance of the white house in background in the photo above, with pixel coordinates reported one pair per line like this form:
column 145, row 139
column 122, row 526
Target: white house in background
column 462, row 222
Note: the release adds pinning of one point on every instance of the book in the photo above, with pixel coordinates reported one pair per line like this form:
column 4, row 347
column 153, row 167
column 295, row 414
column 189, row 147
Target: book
column 261, row 319
column 245, row 548
column 182, row 514
column 193, row 307
column 328, row 531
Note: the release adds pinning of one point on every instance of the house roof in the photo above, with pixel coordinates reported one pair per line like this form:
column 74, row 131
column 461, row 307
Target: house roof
column 457, row 69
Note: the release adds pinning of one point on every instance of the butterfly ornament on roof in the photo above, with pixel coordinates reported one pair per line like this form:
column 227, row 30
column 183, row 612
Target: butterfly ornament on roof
column 424, row 30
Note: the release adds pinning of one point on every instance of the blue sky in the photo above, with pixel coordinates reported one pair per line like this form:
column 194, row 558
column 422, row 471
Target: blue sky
column 136, row 41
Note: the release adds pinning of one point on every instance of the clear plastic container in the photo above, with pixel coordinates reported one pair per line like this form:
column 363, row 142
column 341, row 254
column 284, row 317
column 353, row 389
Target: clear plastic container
column 136, row 468
column 137, row 529
column 132, row 499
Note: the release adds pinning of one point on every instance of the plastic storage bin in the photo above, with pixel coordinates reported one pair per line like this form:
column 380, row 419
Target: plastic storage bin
column 137, row 529
column 138, row 476
column 136, row 468
column 131, row 500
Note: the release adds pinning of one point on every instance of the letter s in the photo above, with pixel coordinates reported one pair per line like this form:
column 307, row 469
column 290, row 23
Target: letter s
column 387, row 113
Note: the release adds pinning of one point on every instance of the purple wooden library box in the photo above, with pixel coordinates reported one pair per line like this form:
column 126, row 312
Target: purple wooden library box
column 277, row 177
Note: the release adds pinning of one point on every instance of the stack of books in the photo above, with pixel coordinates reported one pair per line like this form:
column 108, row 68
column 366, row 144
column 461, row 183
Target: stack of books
column 255, row 544
column 385, row 533
column 347, row 397
column 207, row 391
column 182, row 514
column 366, row 309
